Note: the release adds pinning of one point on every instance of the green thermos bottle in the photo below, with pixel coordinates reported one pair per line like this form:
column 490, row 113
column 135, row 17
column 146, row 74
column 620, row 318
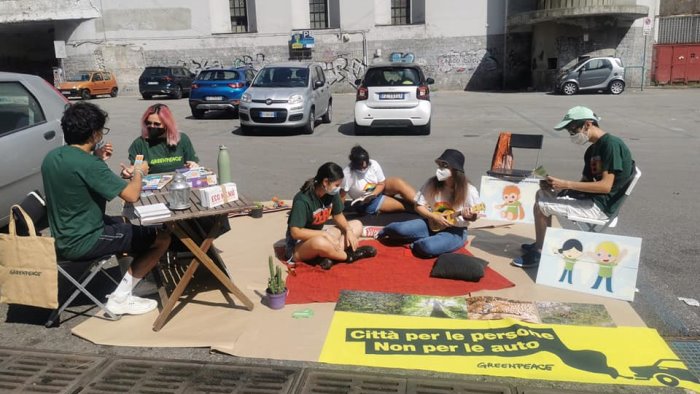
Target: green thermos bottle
column 224, row 165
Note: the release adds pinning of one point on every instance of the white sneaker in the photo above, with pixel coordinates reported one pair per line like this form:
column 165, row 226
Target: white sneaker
column 371, row 231
column 130, row 305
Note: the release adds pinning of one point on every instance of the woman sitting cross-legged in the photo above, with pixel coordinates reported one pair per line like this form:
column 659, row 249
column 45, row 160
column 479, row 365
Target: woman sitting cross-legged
column 365, row 179
column 316, row 202
column 445, row 203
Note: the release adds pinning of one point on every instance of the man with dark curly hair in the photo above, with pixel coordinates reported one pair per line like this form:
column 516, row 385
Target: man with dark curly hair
column 78, row 183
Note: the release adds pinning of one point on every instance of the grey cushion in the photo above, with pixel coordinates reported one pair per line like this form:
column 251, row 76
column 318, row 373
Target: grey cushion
column 459, row 266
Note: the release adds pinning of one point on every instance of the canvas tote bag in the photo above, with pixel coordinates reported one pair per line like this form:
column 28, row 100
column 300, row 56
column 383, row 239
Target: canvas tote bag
column 28, row 273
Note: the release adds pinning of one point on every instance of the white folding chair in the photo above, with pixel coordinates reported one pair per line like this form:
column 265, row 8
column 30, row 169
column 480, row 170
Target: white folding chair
column 598, row 225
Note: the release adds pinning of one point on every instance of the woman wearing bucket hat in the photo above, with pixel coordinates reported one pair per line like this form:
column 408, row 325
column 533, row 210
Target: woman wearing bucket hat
column 608, row 169
column 448, row 191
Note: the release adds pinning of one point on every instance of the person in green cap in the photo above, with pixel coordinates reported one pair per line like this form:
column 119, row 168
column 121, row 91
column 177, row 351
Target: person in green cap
column 608, row 169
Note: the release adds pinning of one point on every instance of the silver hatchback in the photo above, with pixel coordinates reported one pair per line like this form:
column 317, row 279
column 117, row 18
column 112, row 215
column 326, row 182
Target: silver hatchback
column 30, row 127
column 291, row 95
column 592, row 73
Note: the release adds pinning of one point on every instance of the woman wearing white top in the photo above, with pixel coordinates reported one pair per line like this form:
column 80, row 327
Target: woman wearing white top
column 448, row 190
column 365, row 180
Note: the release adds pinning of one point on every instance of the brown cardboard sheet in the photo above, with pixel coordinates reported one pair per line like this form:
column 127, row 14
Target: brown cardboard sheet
column 209, row 320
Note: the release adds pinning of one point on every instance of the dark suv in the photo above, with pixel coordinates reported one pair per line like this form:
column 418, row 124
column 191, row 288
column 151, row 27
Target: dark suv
column 219, row 89
column 173, row 81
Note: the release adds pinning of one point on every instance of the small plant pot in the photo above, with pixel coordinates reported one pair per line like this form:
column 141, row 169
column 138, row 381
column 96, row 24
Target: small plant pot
column 275, row 301
column 256, row 213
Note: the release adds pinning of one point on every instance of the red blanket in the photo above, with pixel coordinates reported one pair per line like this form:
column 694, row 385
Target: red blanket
column 393, row 270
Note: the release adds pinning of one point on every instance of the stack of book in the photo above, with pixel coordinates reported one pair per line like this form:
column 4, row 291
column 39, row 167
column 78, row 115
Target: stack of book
column 198, row 177
column 153, row 212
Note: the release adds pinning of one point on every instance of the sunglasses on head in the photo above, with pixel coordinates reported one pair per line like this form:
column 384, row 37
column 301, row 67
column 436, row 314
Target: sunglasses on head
column 157, row 107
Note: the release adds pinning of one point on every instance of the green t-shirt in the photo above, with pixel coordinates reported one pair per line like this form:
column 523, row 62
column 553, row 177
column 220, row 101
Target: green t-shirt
column 609, row 154
column 605, row 270
column 77, row 186
column 161, row 157
column 309, row 211
column 569, row 263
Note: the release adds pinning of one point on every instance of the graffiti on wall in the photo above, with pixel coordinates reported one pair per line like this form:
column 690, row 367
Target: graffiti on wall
column 343, row 69
column 255, row 61
column 467, row 61
column 196, row 65
column 404, row 57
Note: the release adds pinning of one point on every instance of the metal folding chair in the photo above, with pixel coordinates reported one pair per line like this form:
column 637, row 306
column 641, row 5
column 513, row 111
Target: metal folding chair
column 35, row 206
column 597, row 225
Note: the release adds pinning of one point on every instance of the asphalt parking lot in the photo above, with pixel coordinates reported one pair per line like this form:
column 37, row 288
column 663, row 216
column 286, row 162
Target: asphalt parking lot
column 661, row 127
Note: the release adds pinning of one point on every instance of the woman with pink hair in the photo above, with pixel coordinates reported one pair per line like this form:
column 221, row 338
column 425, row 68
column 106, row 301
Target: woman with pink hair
column 163, row 147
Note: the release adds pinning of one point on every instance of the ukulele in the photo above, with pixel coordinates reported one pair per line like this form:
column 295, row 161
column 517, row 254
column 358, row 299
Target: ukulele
column 451, row 215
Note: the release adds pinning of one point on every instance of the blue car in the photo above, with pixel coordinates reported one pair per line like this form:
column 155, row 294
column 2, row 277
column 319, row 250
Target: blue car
column 219, row 89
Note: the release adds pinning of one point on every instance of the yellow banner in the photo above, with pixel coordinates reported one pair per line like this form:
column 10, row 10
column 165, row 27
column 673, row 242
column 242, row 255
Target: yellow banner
column 622, row 355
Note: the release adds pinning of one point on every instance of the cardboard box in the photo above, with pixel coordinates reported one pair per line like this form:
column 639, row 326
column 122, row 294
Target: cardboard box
column 213, row 196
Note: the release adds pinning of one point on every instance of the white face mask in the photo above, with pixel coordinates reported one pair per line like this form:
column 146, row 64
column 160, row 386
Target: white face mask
column 443, row 173
column 580, row 138
column 333, row 191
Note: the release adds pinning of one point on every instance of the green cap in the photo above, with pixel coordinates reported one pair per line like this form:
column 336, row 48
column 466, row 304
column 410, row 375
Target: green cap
column 576, row 113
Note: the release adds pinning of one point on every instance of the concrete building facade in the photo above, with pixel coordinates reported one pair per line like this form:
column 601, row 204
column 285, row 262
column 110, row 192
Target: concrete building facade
column 470, row 45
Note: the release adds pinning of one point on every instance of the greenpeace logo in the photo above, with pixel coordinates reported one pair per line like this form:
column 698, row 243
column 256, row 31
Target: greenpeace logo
column 25, row 273
column 540, row 367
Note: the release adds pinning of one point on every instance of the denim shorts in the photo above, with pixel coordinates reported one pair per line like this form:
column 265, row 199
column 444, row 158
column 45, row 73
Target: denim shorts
column 372, row 207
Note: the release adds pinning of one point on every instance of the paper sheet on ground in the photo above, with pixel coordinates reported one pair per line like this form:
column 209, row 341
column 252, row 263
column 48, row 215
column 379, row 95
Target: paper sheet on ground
column 209, row 321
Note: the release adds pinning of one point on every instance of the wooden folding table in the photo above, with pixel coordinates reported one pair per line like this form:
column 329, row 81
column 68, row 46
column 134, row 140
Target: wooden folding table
column 197, row 235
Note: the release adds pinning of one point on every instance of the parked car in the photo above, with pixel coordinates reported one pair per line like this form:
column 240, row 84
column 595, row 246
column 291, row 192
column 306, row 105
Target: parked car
column 393, row 95
column 89, row 84
column 219, row 89
column 287, row 95
column 592, row 73
column 30, row 126
column 173, row 81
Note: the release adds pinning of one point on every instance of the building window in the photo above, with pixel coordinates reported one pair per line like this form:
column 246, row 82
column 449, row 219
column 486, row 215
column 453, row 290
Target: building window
column 239, row 16
column 400, row 12
column 319, row 14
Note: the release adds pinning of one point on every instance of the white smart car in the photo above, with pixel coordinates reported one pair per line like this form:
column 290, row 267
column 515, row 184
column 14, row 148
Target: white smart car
column 391, row 96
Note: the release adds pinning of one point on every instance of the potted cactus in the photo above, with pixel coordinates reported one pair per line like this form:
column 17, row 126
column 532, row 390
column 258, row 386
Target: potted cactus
column 276, row 289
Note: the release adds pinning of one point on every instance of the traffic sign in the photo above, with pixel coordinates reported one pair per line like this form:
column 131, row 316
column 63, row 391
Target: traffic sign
column 648, row 24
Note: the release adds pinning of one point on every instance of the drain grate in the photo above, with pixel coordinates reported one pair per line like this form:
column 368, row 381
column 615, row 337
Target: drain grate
column 328, row 382
column 689, row 352
column 156, row 377
column 34, row 372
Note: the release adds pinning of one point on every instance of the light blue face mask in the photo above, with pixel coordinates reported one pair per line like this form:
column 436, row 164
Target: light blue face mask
column 334, row 191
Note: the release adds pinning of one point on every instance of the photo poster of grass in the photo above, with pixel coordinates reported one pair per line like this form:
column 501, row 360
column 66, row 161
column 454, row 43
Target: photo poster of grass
column 474, row 308
column 593, row 263
column 574, row 314
column 509, row 201
column 402, row 304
